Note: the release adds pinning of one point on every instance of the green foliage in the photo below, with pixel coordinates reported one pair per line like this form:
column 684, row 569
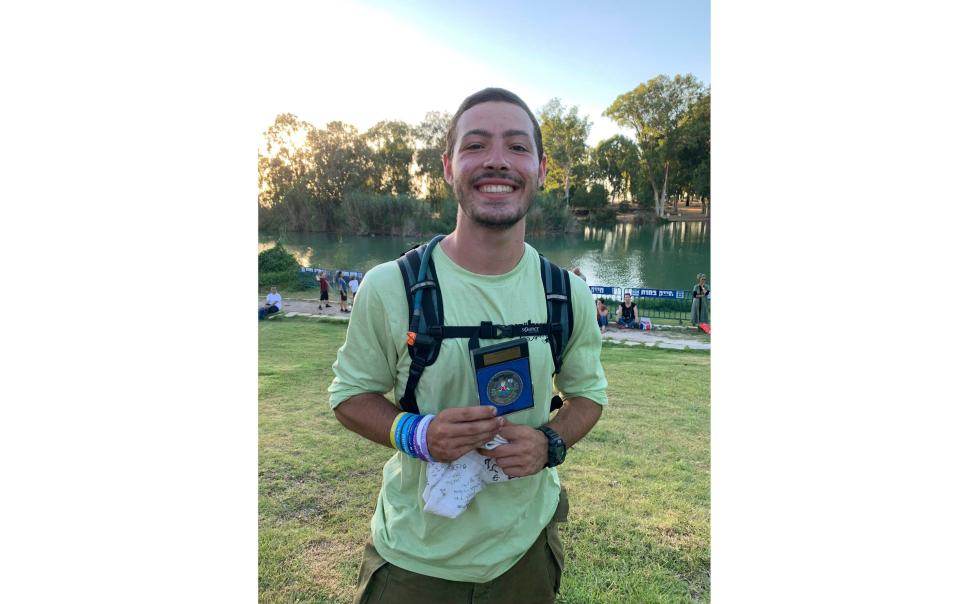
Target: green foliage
column 392, row 153
column 595, row 197
column 287, row 160
column 284, row 281
column 444, row 219
column 638, row 483
column 564, row 141
column 342, row 162
column 278, row 267
column 276, row 259
column 691, row 172
column 655, row 110
column 548, row 214
column 604, row 217
column 430, row 136
column 366, row 213
column 617, row 162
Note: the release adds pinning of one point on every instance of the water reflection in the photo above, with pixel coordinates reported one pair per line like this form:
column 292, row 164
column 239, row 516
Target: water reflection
column 665, row 256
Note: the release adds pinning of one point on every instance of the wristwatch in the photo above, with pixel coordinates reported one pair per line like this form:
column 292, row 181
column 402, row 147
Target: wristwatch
column 555, row 448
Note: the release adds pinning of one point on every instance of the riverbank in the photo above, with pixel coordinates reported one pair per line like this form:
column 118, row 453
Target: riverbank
column 661, row 336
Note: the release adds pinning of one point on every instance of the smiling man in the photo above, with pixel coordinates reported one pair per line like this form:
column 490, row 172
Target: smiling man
column 497, row 303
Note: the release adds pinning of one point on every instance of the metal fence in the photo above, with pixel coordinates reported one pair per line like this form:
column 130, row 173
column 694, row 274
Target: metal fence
column 650, row 302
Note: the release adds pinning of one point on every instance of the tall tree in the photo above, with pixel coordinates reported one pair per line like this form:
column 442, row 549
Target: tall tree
column 693, row 154
column 654, row 110
column 564, row 141
column 430, row 137
column 285, row 159
column 617, row 163
column 392, row 146
column 342, row 161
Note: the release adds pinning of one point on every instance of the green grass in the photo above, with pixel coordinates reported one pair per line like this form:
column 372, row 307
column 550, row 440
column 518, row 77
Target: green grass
column 638, row 484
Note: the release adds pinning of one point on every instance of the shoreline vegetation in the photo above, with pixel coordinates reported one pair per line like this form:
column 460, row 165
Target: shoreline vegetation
column 367, row 214
column 389, row 180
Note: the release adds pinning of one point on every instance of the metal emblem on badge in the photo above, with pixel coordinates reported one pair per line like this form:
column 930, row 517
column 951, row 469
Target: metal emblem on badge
column 503, row 376
column 504, row 387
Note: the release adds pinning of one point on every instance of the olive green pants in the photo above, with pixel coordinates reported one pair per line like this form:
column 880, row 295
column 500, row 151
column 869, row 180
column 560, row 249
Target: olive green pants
column 534, row 579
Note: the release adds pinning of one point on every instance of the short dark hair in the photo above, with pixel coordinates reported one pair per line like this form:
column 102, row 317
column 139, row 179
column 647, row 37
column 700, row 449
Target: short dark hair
column 493, row 95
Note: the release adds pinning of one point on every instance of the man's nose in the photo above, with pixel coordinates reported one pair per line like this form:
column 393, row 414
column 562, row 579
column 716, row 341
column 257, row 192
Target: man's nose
column 496, row 159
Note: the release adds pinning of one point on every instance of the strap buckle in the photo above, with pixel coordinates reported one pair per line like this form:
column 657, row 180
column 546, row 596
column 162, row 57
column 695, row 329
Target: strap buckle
column 486, row 331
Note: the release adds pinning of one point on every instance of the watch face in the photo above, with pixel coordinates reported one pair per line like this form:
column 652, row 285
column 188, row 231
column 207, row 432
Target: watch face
column 504, row 387
column 559, row 452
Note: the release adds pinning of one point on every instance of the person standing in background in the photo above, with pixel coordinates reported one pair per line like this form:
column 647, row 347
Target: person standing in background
column 354, row 285
column 324, row 290
column 700, row 311
column 341, row 285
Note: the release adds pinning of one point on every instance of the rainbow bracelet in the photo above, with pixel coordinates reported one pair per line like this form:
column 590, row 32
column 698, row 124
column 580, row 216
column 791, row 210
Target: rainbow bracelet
column 408, row 434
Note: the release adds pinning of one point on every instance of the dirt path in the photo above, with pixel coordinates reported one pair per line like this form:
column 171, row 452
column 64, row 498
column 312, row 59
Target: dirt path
column 661, row 336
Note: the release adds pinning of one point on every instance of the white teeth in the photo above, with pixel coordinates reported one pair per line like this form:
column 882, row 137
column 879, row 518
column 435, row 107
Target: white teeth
column 496, row 189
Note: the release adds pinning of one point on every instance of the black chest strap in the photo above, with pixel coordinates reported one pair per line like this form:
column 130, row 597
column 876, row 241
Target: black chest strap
column 427, row 331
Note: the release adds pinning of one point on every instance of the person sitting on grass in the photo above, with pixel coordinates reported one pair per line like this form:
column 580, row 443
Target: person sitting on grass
column 274, row 302
column 627, row 313
column 602, row 315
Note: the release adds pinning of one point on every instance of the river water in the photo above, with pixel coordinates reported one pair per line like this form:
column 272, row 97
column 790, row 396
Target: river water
column 627, row 255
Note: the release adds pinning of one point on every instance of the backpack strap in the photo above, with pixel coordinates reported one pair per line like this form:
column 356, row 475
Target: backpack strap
column 559, row 315
column 425, row 303
column 427, row 331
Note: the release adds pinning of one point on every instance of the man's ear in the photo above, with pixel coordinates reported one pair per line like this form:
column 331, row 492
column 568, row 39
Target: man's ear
column 447, row 169
column 542, row 172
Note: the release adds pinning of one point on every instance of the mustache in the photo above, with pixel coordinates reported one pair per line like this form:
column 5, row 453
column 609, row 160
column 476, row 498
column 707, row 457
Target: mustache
column 492, row 174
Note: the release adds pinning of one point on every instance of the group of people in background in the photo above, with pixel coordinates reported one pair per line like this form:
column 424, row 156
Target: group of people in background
column 627, row 309
column 346, row 290
column 342, row 288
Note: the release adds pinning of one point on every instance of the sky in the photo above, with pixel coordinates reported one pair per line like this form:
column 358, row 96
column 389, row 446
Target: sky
column 365, row 61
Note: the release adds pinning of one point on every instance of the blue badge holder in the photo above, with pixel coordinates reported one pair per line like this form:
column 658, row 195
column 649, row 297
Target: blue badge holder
column 503, row 376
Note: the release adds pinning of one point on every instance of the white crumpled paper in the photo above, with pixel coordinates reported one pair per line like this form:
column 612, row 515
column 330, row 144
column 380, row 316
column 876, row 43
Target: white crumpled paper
column 451, row 486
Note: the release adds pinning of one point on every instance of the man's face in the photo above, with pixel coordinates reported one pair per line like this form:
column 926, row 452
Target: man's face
column 272, row 290
column 627, row 299
column 494, row 170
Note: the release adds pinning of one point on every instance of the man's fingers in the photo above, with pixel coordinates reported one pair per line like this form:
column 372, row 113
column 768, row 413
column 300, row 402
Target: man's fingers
column 467, row 414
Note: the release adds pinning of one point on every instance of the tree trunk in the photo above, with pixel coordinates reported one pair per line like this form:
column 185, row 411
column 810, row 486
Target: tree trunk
column 652, row 182
column 662, row 204
column 566, row 187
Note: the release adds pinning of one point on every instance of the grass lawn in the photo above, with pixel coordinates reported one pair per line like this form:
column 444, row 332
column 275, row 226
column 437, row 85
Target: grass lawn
column 638, row 484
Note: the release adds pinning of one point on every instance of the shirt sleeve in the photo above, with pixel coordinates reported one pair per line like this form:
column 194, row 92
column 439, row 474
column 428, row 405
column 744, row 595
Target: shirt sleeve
column 582, row 372
column 367, row 360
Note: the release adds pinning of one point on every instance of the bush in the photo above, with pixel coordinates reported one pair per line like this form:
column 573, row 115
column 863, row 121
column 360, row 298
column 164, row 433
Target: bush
column 277, row 259
column 371, row 213
column 603, row 217
column 549, row 215
column 595, row 197
column 283, row 280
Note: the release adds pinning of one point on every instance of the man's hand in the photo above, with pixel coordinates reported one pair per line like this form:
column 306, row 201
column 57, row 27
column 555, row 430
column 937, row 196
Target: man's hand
column 455, row 432
column 526, row 453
